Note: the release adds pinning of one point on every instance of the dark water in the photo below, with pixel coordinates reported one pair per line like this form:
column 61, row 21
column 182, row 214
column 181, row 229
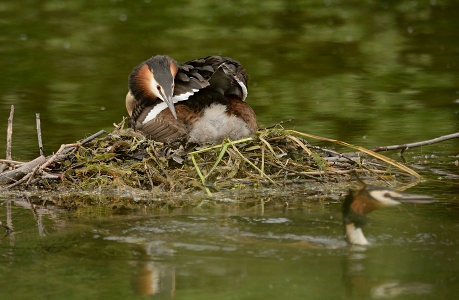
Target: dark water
column 229, row 254
column 367, row 72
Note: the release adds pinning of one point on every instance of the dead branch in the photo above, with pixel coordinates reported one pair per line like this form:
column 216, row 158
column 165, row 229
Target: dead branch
column 9, row 135
column 86, row 140
column 11, row 162
column 417, row 144
column 280, row 123
column 27, row 177
column 40, row 143
column 326, row 172
column 51, row 159
column 26, row 168
column 91, row 137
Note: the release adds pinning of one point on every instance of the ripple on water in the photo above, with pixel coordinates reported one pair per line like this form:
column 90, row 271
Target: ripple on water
column 203, row 247
column 252, row 220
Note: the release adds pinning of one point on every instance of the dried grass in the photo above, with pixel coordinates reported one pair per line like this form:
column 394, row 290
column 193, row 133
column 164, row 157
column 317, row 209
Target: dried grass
column 127, row 162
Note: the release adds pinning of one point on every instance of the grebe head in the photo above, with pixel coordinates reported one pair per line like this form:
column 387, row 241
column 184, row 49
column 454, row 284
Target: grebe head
column 360, row 202
column 154, row 79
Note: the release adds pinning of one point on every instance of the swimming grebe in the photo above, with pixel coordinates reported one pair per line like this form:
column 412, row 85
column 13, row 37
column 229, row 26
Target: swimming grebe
column 360, row 202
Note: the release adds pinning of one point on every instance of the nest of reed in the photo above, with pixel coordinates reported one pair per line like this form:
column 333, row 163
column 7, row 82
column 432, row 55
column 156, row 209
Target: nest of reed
column 123, row 168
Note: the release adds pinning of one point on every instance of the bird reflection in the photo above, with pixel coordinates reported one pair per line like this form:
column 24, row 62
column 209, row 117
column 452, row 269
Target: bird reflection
column 361, row 284
column 151, row 278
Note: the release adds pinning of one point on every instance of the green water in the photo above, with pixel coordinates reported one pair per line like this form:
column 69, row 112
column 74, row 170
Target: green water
column 370, row 73
column 235, row 253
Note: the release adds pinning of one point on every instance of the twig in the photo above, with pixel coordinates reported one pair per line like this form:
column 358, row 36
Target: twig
column 27, row 177
column 269, row 146
column 362, row 149
column 154, row 155
column 9, row 135
column 301, row 144
column 219, row 158
column 147, row 171
column 91, row 137
column 290, row 170
column 253, row 165
column 203, row 180
column 279, row 124
column 341, row 157
column 336, row 154
column 417, row 144
column 23, row 170
column 27, row 171
column 222, row 152
column 86, row 140
column 55, row 155
column 263, row 159
column 11, row 162
column 348, row 171
column 120, row 125
column 40, row 143
column 220, row 145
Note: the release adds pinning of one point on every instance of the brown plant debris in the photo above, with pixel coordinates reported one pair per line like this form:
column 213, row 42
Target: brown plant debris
column 124, row 162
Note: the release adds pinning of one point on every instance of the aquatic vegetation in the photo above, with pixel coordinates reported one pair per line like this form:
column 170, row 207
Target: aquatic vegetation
column 126, row 166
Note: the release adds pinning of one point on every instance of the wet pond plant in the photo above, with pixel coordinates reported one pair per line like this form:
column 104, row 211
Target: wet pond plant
column 122, row 168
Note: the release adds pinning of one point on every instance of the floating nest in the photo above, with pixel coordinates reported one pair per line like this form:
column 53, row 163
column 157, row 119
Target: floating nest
column 124, row 169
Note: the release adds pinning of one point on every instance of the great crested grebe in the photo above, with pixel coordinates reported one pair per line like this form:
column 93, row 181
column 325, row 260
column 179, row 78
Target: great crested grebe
column 360, row 202
column 200, row 101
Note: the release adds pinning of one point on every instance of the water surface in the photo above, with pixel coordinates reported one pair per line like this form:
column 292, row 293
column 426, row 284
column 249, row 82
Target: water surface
column 229, row 253
column 370, row 73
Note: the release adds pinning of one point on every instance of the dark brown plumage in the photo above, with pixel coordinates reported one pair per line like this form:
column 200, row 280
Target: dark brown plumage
column 202, row 100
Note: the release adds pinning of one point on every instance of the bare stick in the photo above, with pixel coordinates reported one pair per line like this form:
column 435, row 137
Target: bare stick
column 350, row 171
column 9, row 135
column 279, row 124
column 26, row 177
column 24, row 169
column 40, row 143
column 86, row 140
column 417, row 144
column 293, row 171
column 11, row 162
column 45, row 162
column 91, row 137
column 28, row 170
column 59, row 152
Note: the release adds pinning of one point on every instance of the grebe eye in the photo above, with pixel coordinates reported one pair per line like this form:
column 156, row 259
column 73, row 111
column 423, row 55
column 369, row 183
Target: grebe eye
column 387, row 195
column 158, row 87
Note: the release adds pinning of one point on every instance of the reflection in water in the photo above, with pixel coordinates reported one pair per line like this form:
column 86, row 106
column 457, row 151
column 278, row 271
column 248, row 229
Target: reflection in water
column 9, row 223
column 150, row 277
column 289, row 254
column 38, row 215
column 9, row 231
column 393, row 289
column 361, row 284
